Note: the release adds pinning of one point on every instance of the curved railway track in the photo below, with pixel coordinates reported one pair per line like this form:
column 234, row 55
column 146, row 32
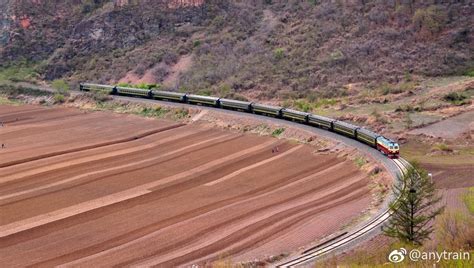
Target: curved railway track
column 341, row 242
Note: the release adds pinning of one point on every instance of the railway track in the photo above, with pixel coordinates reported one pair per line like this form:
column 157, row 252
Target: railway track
column 340, row 242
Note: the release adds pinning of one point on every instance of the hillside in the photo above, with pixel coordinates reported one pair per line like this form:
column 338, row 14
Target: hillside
column 253, row 49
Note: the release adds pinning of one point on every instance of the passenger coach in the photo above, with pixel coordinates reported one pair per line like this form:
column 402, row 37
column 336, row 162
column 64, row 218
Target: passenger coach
column 381, row 143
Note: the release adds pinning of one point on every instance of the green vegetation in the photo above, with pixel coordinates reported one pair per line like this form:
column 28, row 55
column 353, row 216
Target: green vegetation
column 18, row 73
column 279, row 53
column 59, row 98
column 455, row 230
column 442, row 147
column 140, row 85
column 470, row 73
column 181, row 113
column 431, row 19
column 468, row 198
column 13, row 91
column 196, row 43
column 7, row 101
column 307, row 105
column 156, row 111
column 420, row 151
column 456, row 98
column 60, row 86
column 277, row 132
column 416, row 206
column 360, row 161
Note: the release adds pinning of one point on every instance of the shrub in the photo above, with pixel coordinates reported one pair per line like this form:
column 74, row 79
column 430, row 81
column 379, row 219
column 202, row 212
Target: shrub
column 60, row 85
column 124, row 84
column 431, row 19
column 360, row 161
column 181, row 113
column 279, row 53
column 455, row 98
column 442, row 147
column 277, row 132
column 303, row 106
column 157, row 111
column 59, row 98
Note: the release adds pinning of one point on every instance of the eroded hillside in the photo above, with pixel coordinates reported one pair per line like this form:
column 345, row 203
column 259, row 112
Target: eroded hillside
column 258, row 49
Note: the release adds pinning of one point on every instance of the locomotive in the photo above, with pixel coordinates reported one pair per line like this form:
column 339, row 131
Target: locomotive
column 388, row 147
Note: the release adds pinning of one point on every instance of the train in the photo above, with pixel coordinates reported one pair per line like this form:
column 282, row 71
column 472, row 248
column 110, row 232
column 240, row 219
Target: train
column 383, row 144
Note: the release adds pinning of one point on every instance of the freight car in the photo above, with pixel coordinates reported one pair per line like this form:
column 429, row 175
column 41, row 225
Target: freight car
column 384, row 145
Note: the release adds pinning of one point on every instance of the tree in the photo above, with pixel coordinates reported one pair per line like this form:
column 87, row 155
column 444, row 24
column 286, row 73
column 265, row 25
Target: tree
column 416, row 207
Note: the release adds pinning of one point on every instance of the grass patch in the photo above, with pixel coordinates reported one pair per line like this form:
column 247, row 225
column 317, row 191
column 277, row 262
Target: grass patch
column 415, row 150
column 14, row 91
column 442, row 147
column 18, row 73
column 468, row 199
column 7, row 101
column 156, row 111
column 181, row 113
column 277, row 132
column 360, row 161
column 305, row 105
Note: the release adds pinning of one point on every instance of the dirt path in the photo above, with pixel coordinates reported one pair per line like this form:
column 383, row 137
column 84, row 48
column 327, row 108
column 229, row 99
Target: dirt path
column 99, row 189
column 450, row 128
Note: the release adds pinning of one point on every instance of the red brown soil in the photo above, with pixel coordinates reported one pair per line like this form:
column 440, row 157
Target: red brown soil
column 451, row 176
column 100, row 189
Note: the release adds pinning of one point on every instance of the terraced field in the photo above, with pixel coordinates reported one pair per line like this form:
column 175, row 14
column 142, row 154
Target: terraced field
column 93, row 189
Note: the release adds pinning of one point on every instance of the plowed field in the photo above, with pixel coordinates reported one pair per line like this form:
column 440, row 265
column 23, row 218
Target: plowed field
column 100, row 189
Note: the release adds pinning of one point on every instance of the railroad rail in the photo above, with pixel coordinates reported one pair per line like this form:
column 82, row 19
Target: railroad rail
column 364, row 136
column 340, row 242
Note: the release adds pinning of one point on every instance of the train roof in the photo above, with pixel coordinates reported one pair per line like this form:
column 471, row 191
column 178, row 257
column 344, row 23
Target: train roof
column 342, row 123
column 202, row 97
column 368, row 132
column 167, row 92
column 235, row 101
column 96, row 85
column 295, row 111
column 266, row 106
column 133, row 88
column 386, row 141
column 320, row 117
